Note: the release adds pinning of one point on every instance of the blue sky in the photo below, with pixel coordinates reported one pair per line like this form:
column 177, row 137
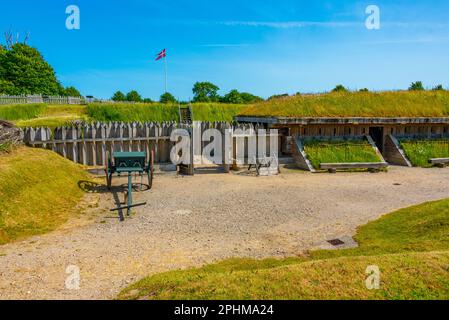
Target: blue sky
column 263, row 47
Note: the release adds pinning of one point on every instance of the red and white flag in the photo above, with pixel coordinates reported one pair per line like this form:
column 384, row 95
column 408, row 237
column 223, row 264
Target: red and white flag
column 161, row 55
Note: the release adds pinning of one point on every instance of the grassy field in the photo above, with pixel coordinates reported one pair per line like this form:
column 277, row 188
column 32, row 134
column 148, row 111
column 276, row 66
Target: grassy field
column 339, row 151
column 210, row 112
column 41, row 115
column 38, row 192
column 419, row 152
column 360, row 104
column 132, row 112
column 409, row 246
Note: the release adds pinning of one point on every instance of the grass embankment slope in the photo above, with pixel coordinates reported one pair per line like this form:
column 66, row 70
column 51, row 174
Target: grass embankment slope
column 160, row 112
column 409, row 246
column 42, row 115
column 38, row 192
column 358, row 104
column 420, row 151
column 339, row 151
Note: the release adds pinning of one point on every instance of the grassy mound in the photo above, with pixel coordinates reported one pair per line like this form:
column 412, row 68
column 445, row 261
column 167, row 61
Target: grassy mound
column 42, row 115
column 359, row 104
column 339, row 151
column 132, row 112
column 409, row 246
column 38, row 192
column 210, row 112
column 419, row 152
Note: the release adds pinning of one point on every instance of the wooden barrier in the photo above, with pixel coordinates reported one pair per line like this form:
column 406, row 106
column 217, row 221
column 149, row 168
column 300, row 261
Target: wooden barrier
column 88, row 144
column 373, row 166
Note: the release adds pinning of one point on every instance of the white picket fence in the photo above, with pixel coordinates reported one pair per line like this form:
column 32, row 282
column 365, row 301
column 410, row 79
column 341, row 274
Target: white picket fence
column 24, row 99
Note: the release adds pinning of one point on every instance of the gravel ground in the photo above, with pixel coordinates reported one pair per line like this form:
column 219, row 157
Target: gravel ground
column 189, row 221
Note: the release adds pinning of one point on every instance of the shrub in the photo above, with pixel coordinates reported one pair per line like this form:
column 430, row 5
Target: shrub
column 416, row 86
column 340, row 88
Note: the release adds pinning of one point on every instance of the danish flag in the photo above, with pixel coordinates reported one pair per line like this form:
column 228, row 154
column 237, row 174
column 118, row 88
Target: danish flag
column 161, row 55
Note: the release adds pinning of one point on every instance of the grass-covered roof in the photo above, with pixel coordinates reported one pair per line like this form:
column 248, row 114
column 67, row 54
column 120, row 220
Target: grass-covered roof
column 358, row 104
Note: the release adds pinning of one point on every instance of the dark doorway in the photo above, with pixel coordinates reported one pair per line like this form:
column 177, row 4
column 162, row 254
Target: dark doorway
column 377, row 133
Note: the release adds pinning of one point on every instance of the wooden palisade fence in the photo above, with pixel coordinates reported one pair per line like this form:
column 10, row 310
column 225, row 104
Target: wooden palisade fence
column 88, row 144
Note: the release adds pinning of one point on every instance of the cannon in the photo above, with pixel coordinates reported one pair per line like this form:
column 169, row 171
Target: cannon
column 129, row 163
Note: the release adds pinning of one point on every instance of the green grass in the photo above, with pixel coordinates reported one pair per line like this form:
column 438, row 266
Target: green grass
column 210, row 112
column 21, row 112
column 339, row 151
column 42, row 115
column 360, row 104
column 6, row 147
column 38, row 192
column 409, row 246
column 133, row 112
column 420, row 151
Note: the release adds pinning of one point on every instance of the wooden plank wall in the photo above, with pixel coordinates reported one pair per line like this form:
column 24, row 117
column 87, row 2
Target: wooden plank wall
column 88, row 144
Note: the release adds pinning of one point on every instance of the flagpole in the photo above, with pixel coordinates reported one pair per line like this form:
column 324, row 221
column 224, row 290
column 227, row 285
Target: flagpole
column 165, row 66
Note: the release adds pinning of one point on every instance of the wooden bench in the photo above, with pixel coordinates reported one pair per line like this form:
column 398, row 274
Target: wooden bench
column 439, row 162
column 371, row 166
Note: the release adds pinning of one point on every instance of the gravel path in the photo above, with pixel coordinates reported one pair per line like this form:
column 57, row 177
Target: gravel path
column 190, row 221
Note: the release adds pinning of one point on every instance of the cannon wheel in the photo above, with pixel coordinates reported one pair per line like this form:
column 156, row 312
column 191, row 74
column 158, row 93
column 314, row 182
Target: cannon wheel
column 150, row 172
column 108, row 170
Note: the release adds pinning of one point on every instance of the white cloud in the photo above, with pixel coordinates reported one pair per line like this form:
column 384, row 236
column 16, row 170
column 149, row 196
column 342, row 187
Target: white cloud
column 290, row 24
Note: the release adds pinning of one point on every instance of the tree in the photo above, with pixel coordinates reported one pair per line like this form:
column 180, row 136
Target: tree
column 205, row 92
column 416, row 86
column 133, row 96
column 119, row 96
column 250, row 98
column 364, row 90
column 236, row 97
column 72, row 92
column 340, row 88
column 24, row 71
column 167, row 98
column 147, row 100
column 438, row 88
column 233, row 97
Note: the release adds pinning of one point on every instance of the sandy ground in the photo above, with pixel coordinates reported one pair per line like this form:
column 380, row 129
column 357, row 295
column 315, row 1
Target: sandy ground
column 189, row 221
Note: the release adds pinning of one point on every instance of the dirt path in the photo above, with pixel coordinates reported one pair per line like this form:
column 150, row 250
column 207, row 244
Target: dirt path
column 190, row 221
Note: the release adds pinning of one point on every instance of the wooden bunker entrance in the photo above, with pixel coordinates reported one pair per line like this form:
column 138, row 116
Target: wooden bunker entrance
column 377, row 134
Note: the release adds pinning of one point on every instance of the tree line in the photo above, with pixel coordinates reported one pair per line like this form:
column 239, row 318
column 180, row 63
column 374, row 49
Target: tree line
column 202, row 91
